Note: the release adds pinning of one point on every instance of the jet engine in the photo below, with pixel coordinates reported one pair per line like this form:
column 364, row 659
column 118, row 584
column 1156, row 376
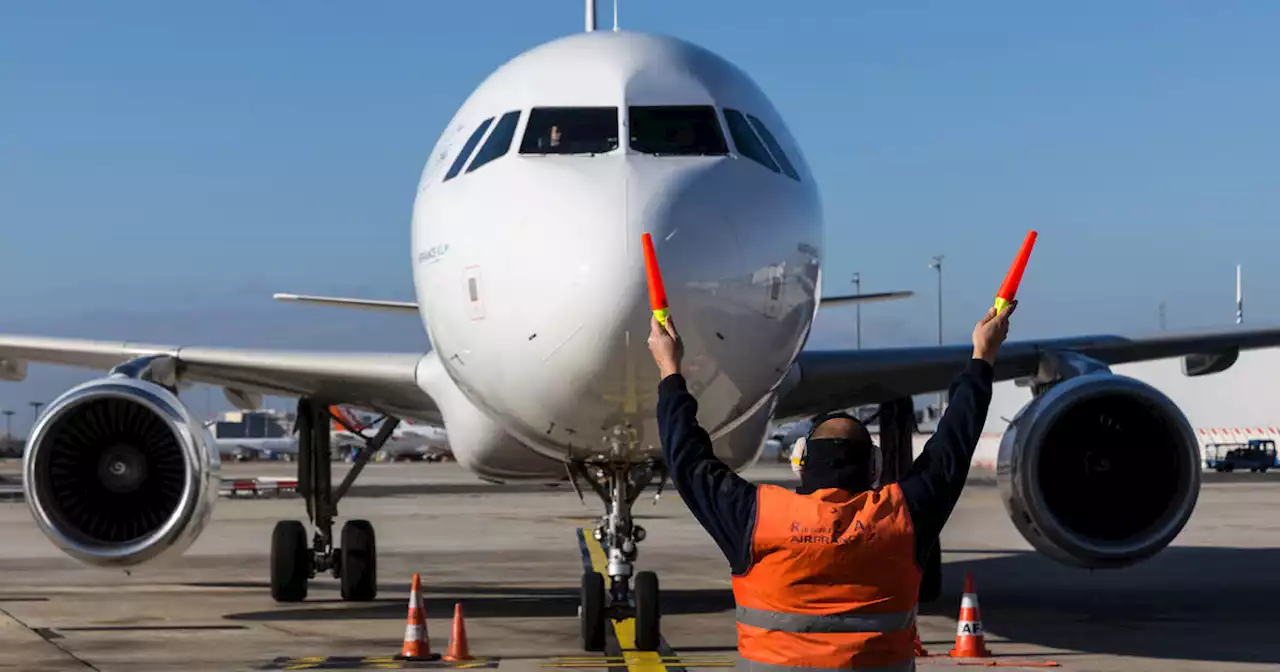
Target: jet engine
column 1099, row 471
column 117, row 472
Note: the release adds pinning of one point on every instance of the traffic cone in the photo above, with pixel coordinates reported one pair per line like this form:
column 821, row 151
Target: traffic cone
column 921, row 652
column 417, row 645
column 970, row 642
column 458, row 649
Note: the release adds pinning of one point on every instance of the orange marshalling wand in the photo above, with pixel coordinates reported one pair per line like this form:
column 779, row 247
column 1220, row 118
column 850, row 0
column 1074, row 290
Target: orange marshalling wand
column 1009, row 288
column 657, row 292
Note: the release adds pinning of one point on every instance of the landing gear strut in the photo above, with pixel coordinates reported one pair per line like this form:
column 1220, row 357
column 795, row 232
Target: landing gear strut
column 619, row 484
column 897, row 425
column 354, row 561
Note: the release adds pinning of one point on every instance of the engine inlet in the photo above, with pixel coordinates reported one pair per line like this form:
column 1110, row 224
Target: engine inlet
column 114, row 470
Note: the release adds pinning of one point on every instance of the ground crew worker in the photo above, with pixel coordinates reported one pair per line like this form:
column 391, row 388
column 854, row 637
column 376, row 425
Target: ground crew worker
column 827, row 576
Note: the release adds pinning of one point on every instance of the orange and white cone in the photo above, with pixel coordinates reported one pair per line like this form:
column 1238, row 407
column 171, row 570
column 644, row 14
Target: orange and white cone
column 458, row 649
column 416, row 644
column 920, row 651
column 970, row 642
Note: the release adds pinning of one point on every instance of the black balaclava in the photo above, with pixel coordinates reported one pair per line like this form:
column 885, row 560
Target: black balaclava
column 843, row 463
column 835, row 463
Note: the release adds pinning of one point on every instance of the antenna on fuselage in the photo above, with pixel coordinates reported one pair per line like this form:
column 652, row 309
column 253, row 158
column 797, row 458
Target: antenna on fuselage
column 591, row 15
column 615, row 16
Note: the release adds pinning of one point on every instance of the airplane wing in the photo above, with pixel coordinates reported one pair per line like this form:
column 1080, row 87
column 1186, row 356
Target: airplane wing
column 380, row 382
column 828, row 301
column 407, row 307
column 830, row 379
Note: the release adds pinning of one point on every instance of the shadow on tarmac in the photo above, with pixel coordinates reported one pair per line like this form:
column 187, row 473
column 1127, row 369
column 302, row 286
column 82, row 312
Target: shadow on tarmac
column 479, row 602
column 1205, row 604
column 376, row 491
column 1197, row 604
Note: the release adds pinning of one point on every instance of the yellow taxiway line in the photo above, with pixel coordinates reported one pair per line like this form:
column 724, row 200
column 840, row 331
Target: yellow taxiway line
column 625, row 630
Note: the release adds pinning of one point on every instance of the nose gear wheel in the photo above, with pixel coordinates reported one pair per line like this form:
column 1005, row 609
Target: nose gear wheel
column 619, row 483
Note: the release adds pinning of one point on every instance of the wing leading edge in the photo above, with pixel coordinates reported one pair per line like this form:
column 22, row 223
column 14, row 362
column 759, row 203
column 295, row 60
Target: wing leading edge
column 404, row 307
column 823, row 379
column 827, row 379
column 384, row 382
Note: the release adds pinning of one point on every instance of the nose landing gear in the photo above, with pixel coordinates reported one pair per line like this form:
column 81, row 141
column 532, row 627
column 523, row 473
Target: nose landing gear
column 619, row 484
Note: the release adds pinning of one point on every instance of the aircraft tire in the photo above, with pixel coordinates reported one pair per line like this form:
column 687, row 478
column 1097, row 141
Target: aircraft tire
column 591, row 612
column 648, row 612
column 359, row 568
column 290, row 562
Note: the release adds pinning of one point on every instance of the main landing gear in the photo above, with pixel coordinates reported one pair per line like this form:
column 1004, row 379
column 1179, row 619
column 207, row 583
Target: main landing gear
column 897, row 425
column 354, row 562
column 619, row 484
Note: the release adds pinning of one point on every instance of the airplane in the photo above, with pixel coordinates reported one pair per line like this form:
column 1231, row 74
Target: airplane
column 408, row 440
column 528, row 279
column 251, row 436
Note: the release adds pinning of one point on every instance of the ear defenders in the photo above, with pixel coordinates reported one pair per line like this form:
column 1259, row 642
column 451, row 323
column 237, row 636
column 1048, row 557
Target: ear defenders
column 798, row 450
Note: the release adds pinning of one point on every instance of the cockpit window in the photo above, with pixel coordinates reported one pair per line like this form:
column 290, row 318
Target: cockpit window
column 746, row 141
column 571, row 130
column 774, row 148
column 675, row 130
column 499, row 140
column 467, row 149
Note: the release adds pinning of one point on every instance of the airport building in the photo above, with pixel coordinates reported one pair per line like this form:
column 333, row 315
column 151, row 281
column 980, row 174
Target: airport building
column 259, row 424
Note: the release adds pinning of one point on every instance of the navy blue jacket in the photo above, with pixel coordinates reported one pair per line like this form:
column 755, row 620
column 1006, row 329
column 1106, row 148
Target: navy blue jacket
column 725, row 503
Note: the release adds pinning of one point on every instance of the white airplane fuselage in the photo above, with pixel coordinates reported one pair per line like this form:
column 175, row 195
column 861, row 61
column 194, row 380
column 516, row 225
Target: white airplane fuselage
column 530, row 278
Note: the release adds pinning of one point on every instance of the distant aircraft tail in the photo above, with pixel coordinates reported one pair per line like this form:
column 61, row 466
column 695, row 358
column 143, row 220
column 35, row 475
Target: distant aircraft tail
column 347, row 417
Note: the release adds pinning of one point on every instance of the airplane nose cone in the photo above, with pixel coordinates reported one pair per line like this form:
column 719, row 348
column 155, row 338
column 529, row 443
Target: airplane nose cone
column 586, row 312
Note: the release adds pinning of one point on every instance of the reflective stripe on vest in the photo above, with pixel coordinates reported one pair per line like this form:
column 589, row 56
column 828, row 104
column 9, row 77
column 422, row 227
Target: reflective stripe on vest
column 846, row 622
column 749, row 665
column 832, row 584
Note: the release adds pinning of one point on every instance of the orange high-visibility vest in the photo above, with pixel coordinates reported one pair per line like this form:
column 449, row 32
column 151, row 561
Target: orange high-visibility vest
column 833, row 582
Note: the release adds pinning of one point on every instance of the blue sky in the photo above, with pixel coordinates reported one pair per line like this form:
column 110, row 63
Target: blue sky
column 165, row 167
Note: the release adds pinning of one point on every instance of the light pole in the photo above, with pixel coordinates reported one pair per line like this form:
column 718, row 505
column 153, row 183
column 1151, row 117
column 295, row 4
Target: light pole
column 937, row 264
column 8, row 426
column 35, row 412
column 857, row 289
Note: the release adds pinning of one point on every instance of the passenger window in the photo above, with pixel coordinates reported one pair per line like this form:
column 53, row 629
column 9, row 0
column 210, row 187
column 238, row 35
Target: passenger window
column 467, row 149
column 675, row 130
column 571, row 130
column 746, row 141
column 774, row 148
column 499, row 141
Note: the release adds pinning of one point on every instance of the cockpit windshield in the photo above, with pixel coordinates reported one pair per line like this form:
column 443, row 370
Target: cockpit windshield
column 677, row 130
column 571, row 130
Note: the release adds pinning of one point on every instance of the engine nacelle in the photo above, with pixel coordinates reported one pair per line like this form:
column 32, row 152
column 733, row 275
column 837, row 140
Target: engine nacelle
column 117, row 472
column 1100, row 471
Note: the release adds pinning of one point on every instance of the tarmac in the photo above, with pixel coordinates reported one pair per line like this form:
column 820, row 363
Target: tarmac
column 513, row 558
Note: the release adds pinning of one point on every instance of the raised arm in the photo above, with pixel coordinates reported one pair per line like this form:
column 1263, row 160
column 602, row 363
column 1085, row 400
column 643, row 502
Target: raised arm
column 936, row 479
column 721, row 500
